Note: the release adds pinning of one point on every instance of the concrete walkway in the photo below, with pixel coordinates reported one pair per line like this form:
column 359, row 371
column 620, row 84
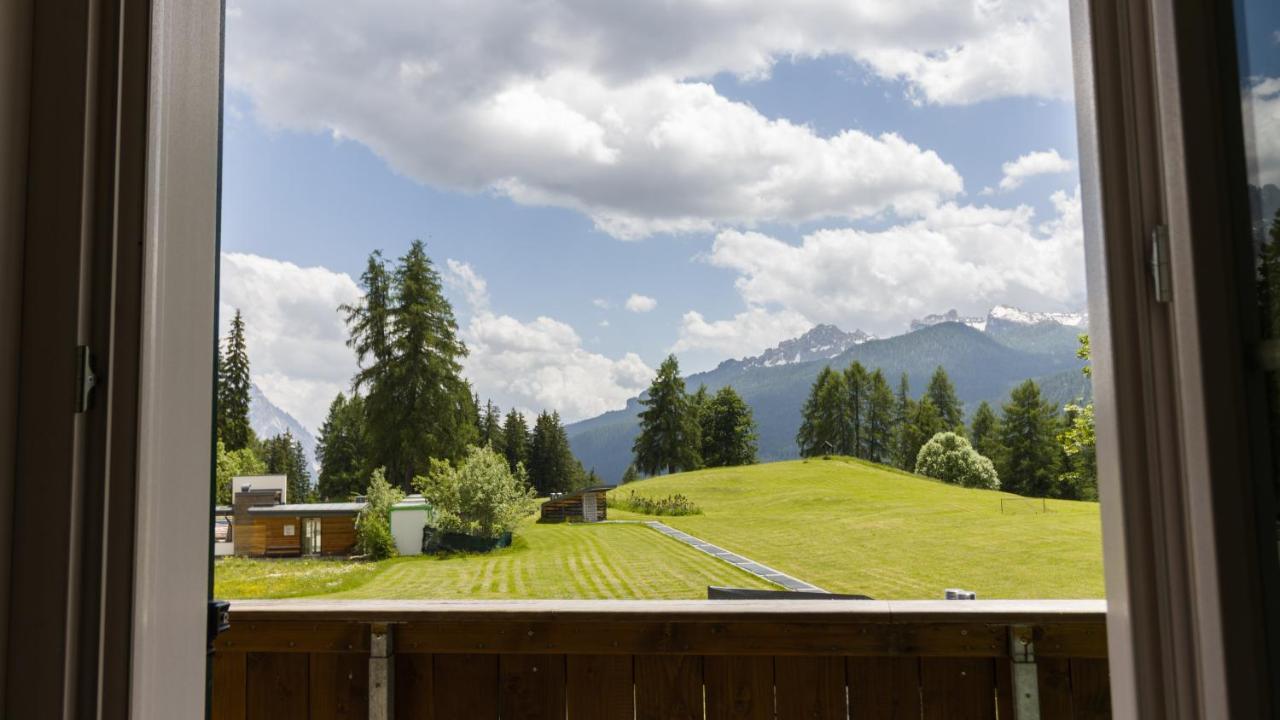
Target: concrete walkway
column 751, row 566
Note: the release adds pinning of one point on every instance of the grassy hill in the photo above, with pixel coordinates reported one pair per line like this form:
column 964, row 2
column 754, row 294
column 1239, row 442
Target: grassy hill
column 851, row 526
column 981, row 368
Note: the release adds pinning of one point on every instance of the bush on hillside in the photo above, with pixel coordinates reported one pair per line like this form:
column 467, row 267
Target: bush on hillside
column 480, row 497
column 373, row 526
column 670, row 505
column 951, row 459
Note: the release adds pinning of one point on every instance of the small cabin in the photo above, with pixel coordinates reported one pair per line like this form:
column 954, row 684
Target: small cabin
column 587, row 505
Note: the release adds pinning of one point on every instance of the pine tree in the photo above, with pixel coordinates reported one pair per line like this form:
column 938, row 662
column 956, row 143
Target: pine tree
column 879, row 419
column 903, row 409
column 924, row 423
column 857, row 385
column 552, row 466
column 700, row 407
column 1029, row 456
column 728, row 430
column 491, row 428
column 515, row 440
column 418, row 406
column 233, row 390
column 943, row 395
column 984, row 431
column 284, row 455
column 824, row 420
column 630, row 474
column 669, row 436
column 341, row 450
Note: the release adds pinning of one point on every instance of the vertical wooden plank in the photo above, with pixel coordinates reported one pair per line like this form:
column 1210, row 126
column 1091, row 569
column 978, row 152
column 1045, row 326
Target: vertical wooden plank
column 668, row 687
column 1090, row 689
column 1004, row 688
column 413, row 687
column 884, row 688
column 1054, row 680
column 600, row 687
column 228, row 702
column 277, row 686
column 810, row 688
column 531, row 687
column 958, row 688
column 738, row 687
column 465, row 686
column 339, row 686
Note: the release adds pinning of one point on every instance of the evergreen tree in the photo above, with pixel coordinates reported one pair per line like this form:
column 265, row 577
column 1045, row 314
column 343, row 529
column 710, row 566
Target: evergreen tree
column 903, row 409
column 1029, row 456
column 858, row 386
column 985, row 431
column 418, row 406
column 878, row 420
column 491, row 433
column 552, row 466
column 515, row 440
column 700, row 406
column 1079, row 478
column 283, row 455
column 728, row 430
column 943, row 395
column 341, row 449
column 669, row 436
column 824, row 419
column 925, row 422
column 630, row 475
column 233, row 390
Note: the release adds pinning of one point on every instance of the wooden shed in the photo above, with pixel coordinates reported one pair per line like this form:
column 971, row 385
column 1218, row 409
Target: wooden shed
column 281, row 530
column 587, row 505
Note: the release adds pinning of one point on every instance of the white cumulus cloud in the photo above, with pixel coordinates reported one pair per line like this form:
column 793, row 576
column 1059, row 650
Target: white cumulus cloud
column 603, row 106
column 295, row 334
column 747, row 333
column 640, row 303
column 1044, row 162
column 1262, row 131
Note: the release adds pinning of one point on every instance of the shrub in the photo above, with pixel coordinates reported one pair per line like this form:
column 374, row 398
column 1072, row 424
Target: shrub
column 951, row 459
column 669, row 505
column 373, row 526
column 481, row 497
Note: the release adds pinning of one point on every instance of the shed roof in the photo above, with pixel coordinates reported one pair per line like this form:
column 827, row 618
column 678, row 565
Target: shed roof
column 578, row 493
column 309, row 509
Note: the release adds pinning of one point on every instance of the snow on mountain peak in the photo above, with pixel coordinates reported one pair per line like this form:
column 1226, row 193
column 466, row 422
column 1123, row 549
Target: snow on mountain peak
column 822, row 342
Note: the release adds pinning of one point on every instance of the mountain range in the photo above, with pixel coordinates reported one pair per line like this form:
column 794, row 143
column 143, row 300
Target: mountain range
column 985, row 358
column 268, row 420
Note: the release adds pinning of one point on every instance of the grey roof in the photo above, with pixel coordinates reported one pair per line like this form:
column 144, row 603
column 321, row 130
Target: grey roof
column 309, row 509
column 223, row 510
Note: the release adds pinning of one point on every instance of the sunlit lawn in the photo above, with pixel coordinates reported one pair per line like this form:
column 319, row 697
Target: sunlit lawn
column 544, row 561
column 850, row 526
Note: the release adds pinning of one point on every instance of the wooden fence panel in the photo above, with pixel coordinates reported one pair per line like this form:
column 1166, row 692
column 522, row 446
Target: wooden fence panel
column 339, row 686
column 531, row 687
column 599, row 687
column 228, row 702
column 668, row 687
column 810, row 688
column 1054, row 682
column 415, row 687
column 957, row 688
column 278, row 686
column 885, row 688
column 465, row 686
column 738, row 688
column 1090, row 689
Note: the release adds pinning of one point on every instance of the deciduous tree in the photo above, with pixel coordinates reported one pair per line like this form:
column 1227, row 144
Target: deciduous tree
column 728, row 430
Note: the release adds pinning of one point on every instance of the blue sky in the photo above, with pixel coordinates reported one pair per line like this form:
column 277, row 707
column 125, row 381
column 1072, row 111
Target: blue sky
column 850, row 177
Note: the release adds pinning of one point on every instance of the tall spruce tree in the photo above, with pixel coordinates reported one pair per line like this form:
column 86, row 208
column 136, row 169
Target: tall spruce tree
column 418, row 406
column 233, row 390
column 984, row 432
column 925, row 422
column 1029, row 453
column 903, row 409
column 878, row 420
column 858, row 386
column 728, row 430
column 552, row 466
column 824, row 419
column 515, row 440
column 943, row 395
column 284, row 455
column 670, row 437
column 342, row 450
column 491, row 428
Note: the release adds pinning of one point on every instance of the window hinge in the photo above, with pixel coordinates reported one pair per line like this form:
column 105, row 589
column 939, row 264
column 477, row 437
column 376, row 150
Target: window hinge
column 85, row 378
column 1160, row 264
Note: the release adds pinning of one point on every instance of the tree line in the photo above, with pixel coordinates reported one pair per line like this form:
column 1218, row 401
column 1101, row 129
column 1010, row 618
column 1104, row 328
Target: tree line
column 1033, row 448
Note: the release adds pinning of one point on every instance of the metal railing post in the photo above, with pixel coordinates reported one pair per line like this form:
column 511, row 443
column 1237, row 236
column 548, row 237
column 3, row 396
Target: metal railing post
column 1026, row 684
column 381, row 673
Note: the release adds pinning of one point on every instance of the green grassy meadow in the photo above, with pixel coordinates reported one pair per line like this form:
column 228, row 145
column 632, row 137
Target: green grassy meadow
column 842, row 524
column 852, row 526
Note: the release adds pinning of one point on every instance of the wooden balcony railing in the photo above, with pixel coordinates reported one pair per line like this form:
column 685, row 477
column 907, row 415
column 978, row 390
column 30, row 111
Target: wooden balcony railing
column 665, row 660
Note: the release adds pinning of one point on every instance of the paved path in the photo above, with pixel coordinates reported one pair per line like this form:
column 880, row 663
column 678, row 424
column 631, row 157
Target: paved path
column 751, row 566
